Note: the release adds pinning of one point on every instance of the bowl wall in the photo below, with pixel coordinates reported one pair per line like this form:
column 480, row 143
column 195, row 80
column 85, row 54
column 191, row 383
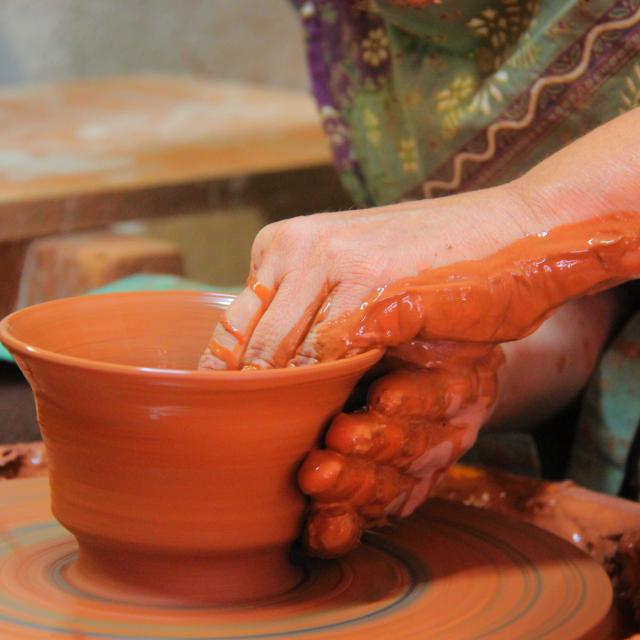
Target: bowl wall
column 148, row 455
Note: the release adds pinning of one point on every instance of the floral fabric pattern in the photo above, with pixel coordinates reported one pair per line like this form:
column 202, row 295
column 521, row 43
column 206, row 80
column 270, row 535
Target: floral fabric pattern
column 405, row 88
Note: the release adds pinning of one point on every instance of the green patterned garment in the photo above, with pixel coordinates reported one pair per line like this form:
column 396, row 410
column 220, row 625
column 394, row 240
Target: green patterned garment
column 466, row 93
column 428, row 99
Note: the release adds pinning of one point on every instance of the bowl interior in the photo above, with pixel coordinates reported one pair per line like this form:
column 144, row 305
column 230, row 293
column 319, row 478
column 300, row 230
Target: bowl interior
column 158, row 330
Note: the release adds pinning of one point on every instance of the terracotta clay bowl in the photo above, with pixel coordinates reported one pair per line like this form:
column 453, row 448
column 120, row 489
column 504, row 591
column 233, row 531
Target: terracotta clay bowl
column 176, row 483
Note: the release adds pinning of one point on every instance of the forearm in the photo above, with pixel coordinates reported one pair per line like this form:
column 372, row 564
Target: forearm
column 544, row 372
column 513, row 254
column 599, row 174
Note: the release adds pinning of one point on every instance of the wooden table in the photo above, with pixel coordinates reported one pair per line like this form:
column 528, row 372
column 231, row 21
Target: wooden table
column 85, row 154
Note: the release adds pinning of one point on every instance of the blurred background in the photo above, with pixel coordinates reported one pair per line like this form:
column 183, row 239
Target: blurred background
column 256, row 41
column 143, row 144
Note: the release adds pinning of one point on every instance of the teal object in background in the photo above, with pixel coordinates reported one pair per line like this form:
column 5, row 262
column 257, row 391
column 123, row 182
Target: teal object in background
column 4, row 354
column 157, row 282
column 147, row 282
column 610, row 417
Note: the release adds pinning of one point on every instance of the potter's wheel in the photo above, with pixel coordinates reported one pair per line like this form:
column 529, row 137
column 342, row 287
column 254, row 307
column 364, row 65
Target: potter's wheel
column 449, row 572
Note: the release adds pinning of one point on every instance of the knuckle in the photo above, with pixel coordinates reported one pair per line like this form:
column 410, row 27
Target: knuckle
column 333, row 530
column 358, row 265
column 265, row 234
column 262, row 242
column 295, row 232
column 258, row 357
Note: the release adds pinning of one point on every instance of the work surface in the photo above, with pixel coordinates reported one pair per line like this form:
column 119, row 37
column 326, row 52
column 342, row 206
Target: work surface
column 136, row 135
column 589, row 520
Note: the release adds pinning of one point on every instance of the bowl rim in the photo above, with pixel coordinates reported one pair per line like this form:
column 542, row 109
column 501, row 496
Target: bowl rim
column 322, row 369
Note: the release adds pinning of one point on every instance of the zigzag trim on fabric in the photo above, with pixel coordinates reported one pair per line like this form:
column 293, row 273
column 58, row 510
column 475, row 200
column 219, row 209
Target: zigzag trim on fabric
column 538, row 87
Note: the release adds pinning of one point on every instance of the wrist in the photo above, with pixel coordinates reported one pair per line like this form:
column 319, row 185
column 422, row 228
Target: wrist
column 597, row 175
column 473, row 225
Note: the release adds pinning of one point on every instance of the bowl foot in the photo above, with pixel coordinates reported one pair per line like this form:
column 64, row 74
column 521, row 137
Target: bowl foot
column 164, row 578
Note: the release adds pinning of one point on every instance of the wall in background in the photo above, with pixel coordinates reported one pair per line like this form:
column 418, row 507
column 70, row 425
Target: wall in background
column 246, row 40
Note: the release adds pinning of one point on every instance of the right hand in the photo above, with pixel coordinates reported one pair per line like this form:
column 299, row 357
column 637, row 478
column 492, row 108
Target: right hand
column 324, row 266
column 307, row 273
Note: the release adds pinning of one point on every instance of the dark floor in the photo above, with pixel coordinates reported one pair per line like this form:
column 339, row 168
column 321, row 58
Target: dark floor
column 17, row 412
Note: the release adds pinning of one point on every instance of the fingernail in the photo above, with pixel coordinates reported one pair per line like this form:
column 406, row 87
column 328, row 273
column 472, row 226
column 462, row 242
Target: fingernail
column 333, row 532
column 320, row 472
column 209, row 362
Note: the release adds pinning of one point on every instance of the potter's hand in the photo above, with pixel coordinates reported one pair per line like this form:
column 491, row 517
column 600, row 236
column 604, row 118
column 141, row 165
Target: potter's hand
column 426, row 413
column 485, row 266
column 307, row 273
column 383, row 461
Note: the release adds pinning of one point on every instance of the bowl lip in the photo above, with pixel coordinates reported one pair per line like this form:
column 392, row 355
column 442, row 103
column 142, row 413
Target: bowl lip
column 320, row 370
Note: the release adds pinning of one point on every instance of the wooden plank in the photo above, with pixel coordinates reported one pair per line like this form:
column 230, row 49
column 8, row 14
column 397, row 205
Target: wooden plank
column 281, row 194
column 132, row 132
column 71, row 264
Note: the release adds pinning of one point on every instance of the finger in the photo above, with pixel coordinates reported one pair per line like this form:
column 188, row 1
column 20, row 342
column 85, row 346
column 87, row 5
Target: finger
column 282, row 327
column 230, row 335
column 365, row 434
column 420, row 493
column 330, row 477
column 320, row 344
column 332, row 531
column 424, row 394
column 229, row 341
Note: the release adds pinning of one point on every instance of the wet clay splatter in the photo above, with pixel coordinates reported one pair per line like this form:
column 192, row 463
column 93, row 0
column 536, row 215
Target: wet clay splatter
column 503, row 297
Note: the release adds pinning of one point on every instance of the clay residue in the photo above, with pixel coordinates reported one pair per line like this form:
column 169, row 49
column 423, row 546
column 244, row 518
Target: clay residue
column 606, row 528
column 22, row 460
column 500, row 298
column 383, row 461
column 624, row 568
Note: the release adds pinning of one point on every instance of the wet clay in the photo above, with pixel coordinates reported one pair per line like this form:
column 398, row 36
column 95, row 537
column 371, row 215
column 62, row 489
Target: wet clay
column 383, row 461
column 500, row 298
column 232, row 358
column 177, row 484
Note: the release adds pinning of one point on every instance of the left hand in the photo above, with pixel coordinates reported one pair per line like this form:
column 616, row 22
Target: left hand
column 383, row 461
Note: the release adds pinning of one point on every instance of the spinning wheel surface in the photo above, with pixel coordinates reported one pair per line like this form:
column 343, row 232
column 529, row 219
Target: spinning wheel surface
column 449, row 572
